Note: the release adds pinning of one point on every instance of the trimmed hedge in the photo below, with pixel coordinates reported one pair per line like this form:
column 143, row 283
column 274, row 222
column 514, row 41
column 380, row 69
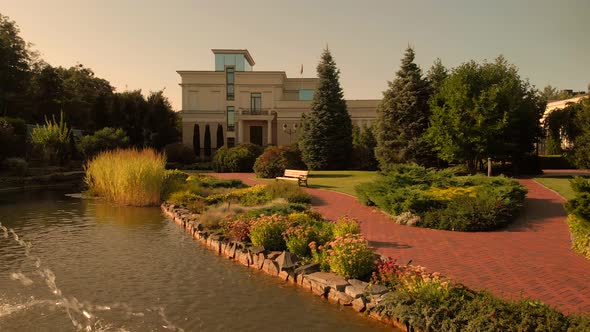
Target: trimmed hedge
column 555, row 162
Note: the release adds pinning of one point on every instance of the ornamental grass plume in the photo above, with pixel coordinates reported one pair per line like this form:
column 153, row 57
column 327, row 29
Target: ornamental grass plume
column 128, row 177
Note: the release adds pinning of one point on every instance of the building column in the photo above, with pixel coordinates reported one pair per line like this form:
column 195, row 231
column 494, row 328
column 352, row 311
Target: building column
column 241, row 130
column 269, row 134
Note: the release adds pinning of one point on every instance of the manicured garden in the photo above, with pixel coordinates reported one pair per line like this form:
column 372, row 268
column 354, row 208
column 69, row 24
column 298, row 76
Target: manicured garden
column 423, row 197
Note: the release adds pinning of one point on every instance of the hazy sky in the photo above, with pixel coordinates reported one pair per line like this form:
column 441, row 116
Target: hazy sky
column 141, row 44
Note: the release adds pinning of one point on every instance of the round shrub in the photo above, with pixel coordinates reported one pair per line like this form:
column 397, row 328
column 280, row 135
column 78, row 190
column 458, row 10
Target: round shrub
column 103, row 140
column 346, row 225
column 275, row 159
column 267, row 231
column 298, row 238
column 239, row 230
column 180, row 153
column 350, row 256
column 16, row 166
column 240, row 158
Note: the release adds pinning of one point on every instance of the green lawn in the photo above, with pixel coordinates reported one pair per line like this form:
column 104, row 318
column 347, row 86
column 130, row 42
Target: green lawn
column 342, row 181
column 559, row 184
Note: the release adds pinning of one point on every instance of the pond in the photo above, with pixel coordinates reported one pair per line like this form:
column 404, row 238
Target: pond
column 129, row 269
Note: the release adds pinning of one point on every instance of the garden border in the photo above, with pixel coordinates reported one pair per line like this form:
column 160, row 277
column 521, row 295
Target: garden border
column 359, row 295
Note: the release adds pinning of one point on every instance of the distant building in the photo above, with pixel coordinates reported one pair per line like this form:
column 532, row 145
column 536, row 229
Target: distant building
column 260, row 107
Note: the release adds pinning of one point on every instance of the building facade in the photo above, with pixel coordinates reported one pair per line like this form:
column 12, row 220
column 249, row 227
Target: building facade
column 260, row 107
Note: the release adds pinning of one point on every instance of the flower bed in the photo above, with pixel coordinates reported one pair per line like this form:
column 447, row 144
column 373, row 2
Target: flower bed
column 422, row 197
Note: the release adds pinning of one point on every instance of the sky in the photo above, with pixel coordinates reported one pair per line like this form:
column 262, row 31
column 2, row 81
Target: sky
column 141, row 44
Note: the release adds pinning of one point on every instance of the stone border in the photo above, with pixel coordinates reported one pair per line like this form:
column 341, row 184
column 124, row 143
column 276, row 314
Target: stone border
column 361, row 296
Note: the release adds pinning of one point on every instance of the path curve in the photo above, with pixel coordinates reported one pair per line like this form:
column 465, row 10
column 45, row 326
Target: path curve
column 531, row 258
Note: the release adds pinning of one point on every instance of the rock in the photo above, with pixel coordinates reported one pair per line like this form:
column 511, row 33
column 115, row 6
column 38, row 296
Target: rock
column 261, row 260
column 331, row 280
column 231, row 253
column 339, row 297
column 377, row 289
column 355, row 291
column 359, row 304
column 274, row 254
column 286, row 260
column 284, row 275
column 255, row 250
column 271, row 267
column 308, row 269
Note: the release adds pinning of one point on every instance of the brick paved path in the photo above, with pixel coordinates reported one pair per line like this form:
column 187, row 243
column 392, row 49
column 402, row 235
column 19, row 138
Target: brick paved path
column 530, row 258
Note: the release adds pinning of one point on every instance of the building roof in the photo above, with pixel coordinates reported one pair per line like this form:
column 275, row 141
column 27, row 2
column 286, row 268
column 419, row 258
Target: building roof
column 235, row 51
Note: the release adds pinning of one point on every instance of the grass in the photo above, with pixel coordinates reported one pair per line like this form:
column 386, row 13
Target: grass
column 341, row 181
column 559, row 184
column 127, row 177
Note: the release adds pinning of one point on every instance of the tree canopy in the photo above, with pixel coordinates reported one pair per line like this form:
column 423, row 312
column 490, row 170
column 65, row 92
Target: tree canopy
column 403, row 115
column 326, row 138
column 485, row 110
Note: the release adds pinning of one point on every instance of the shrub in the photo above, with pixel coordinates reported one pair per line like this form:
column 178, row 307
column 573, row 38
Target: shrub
column 250, row 196
column 580, row 230
column 289, row 191
column 297, row 239
column 13, row 134
column 213, row 182
column 52, row 139
column 103, row 140
column 275, row 159
column 350, row 256
column 267, row 231
column 285, row 209
column 580, row 204
column 239, row 229
column 441, row 200
column 237, row 159
column 345, row 226
column 128, row 177
column 555, row 162
column 180, row 153
column 16, row 166
column 173, row 180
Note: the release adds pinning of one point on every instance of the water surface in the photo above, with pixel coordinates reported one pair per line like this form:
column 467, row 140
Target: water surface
column 133, row 270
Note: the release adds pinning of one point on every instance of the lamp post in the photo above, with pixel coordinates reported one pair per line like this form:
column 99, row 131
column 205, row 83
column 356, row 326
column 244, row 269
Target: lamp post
column 290, row 131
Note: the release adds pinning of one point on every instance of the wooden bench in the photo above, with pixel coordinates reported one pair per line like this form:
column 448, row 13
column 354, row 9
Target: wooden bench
column 295, row 175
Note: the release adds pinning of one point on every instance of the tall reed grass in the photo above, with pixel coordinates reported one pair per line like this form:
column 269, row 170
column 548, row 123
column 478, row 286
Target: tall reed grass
column 128, row 177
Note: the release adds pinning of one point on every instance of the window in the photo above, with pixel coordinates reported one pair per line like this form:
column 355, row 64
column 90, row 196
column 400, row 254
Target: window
column 231, row 118
column 305, row 94
column 256, row 102
column 229, row 82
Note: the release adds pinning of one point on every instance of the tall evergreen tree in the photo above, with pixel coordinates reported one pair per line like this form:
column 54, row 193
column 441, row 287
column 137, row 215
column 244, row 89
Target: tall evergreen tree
column 219, row 135
column 436, row 76
column 402, row 117
column 326, row 138
column 197, row 140
column 207, row 141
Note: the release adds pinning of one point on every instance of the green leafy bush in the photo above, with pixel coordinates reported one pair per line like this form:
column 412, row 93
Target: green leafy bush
column 441, row 200
column 267, row 231
column 345, row 226
column 275, row 159
column 555, row 162
column 180, row 153
column 297, row 239
column 289, row 191
column 350, row 256
column 16, row 166
column 52, row 140
column 580, row 229
column 580, row 205
column 285, row 209
column 103, row 140
column 13, row 133
column 240, row 158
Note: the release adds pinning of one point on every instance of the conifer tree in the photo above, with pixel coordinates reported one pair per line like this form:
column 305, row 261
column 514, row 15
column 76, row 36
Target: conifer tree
column 403, row 116
column 219, row 135
column 207, row 141
column 326, row 138
column 197, row 140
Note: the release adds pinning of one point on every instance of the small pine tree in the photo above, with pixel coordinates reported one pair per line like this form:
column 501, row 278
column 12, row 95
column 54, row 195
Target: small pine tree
column 326, row 138
column 403, row 116
column 219, row 135
column 207, row 141
column 197, row 140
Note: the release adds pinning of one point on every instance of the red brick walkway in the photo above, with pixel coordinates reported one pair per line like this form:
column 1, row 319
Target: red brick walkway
column 531, row 258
